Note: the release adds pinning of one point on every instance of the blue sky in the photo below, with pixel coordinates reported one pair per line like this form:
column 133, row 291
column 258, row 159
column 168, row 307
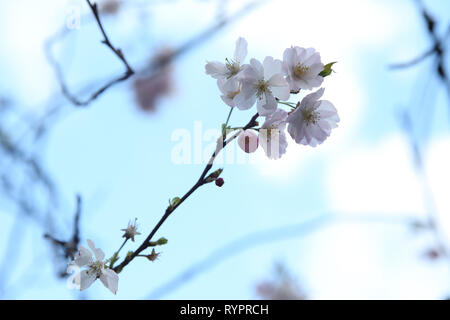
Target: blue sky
column 119, row 158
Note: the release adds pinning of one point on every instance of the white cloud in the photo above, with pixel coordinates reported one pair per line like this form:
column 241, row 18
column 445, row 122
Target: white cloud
column 378, row 178
column 26, row 25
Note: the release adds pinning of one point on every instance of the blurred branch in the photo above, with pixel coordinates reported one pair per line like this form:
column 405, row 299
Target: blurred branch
column 414, row 61
column 438, row 48
column 419, row 165
column 152, row 68
column 69, row 247
column 19, row 155
column 236, row 247
column 36, row 175
column 15, row 241
column 439, row 51
column 202, row 37
column 259, row 238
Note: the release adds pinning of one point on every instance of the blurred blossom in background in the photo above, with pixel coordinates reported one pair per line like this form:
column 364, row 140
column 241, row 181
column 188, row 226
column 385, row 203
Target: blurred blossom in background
column 150, row 89
column 365, row 215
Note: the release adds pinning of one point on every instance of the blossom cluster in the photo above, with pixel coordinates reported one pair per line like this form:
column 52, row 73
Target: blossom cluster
column 269, row 84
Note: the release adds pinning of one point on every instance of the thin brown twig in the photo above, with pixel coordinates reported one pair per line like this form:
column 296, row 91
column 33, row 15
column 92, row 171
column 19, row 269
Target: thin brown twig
column 153, row 68
column 203, row 179
column 106, row 41
column 117, row 51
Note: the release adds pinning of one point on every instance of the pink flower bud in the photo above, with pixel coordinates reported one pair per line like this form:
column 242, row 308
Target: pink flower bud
column 219, row 182
column 248, row 141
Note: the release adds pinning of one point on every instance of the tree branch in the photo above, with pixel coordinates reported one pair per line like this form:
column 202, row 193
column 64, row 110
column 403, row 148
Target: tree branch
column 106, row 41
column 153, row 68
column 200, row 182
column 70, row 247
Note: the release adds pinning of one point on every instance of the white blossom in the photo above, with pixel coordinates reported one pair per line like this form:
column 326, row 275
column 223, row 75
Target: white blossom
column 312, row 121
column 272, row 135
column 96, row 269
column 230, row 68
column 230, row 89
column 131, row 230
column 262, row 83
column 302, row 67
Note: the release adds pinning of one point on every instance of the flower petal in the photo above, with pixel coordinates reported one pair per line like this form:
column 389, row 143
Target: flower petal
column 257, row 68
column 244, row 103
column 99, row 255
column 271, row 67
column 83, row 257
column 110, row 280
column 241, row 50
column 86, row 279
column 216, row 69
column 311, row 98
column 279, row 87
column 248, row 88
column 288, row 57
column 266, row 105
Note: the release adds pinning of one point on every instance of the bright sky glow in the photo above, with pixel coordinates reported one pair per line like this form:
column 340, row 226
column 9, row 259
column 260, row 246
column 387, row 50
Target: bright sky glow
column 119, row 159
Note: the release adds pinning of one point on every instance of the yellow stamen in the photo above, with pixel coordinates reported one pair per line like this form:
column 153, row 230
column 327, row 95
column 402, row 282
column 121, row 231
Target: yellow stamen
column 300, row 70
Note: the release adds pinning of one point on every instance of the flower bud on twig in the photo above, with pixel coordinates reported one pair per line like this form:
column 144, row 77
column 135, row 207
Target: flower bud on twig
column 159, row 242
column 131, row 231
column 213, row 176
column 153, row 256
column 219, row 182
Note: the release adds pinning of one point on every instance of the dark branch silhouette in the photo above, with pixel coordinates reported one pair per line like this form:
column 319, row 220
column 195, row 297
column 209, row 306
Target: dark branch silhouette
column 200, row 182
column 69, row 247
column 153, row 68
column 438, row 49
column 117, row 51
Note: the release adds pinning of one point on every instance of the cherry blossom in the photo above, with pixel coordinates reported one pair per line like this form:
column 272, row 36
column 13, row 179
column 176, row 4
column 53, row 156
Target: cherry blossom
column 270, row 84
column 230, row 68
column 96, row 269
column 262, row 83
column 230, row 89
column 131, row 231
column 313, row 119
column 302, row 67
